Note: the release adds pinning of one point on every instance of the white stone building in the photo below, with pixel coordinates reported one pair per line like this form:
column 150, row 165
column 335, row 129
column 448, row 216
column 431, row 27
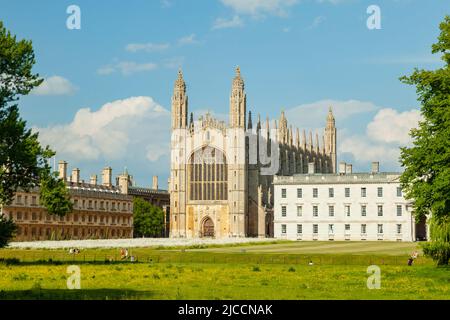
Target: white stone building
column 343, row 206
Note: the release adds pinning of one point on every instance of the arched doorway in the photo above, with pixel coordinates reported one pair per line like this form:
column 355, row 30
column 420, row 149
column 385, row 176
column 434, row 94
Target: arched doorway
column 208, row 228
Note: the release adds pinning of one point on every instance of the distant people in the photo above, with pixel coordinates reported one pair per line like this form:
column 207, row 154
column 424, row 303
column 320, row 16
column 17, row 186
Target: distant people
column 414, row 255
column 124, row 254
column 410, row 261
column 311, row 263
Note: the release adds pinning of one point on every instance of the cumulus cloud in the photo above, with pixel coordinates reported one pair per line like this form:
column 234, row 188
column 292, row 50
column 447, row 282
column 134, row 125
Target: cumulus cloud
column 123, row 129
column 126, row 68
column 146, row 47
column 222, row 23
column 54, row 86
column 259, row 7
column 391, row 126
column 385, row 134
column 313, row 115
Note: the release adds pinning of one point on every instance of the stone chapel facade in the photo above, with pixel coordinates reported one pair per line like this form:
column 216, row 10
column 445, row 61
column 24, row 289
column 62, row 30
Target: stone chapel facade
column 221, row 178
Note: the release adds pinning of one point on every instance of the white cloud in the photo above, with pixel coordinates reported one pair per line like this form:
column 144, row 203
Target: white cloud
column 127, row 68
column 53, row 86
column 259, row 7
column 190, row 39
column 123, row 129
column 313, row 115
column 385, row 134
column 146, row 47
column 222, row 23
column 390, row 126
column 166, row 4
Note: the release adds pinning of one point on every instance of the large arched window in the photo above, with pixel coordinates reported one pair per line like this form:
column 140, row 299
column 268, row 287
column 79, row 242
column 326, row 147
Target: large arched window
column 208, row 176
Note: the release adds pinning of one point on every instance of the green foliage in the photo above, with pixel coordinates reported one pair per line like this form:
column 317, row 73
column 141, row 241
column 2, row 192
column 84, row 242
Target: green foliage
column 23, row 161
column 7, row 230
column 439, row 247
column 16, row 61
column 148, row 219
column 54, row 195
column 426, row 178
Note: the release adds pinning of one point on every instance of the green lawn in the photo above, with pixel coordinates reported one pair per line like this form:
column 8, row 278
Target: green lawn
column 240, row 272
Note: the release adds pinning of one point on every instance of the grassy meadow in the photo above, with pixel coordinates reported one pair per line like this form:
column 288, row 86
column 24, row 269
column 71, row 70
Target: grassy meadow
column 263, row 271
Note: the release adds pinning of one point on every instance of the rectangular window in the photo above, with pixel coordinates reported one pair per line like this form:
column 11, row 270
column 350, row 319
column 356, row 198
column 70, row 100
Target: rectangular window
column 363, row 192
column 347, row 228
column 399, row 192
column 315, row 211
column 299, row 193
column 399, row 211
column 299, row 211
column 315, row 192
column 299, row 229
column 331, row 192
column 331, row 211
column 347, row 211
column 363, row 228
column 315, row 228
column 331, row 228
column 399, row 228
column 283, row 229
column 380, row 192
column 363, row 210
column 380, row 210
column 283, row 211
column 283, row 193
column 347, row 192
column 380, row 228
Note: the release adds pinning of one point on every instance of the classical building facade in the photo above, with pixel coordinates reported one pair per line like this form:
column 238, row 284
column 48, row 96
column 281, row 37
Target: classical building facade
column 100, row 211
column 344, row 206
column 221, row 173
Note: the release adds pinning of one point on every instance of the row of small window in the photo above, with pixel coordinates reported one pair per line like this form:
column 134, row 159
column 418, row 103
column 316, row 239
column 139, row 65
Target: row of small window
column 19, row 216
column 347, row 210
column 331, row 228
column 47, row 232
column 104, row 205
column 315, row 192
column 34, row 200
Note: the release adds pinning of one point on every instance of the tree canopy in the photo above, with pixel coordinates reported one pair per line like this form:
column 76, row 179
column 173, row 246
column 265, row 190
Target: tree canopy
column 148, row 219
column 24, row 163
column 426, row 178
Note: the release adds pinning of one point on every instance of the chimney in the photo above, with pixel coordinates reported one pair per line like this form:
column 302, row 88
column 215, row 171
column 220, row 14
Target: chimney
column 155, row 182
column 342, row 167
column 311, row 168
column 123, row 182
column 76, row 175
column 348, row 168
column 375, row 167
column 62, row 168
column 94, row 179
column 106, row 176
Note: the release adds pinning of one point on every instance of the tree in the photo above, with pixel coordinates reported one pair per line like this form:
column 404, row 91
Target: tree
column 148, row 219
column 24, row 163
column 7, row 230
column 426, row 178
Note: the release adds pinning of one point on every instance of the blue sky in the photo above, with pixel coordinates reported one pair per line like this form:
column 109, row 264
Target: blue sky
column 295, row 55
